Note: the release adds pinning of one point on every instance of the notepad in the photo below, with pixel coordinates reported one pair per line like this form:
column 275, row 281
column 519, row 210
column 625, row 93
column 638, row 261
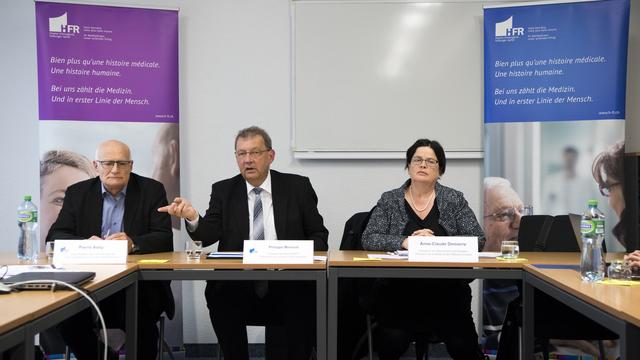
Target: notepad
column 225, row 255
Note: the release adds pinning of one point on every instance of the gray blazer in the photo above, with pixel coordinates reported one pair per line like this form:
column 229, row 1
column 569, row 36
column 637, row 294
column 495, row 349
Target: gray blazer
column 389, row 218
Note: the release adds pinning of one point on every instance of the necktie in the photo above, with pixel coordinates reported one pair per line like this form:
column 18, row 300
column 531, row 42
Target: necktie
column 261, row 287
column 258, row 224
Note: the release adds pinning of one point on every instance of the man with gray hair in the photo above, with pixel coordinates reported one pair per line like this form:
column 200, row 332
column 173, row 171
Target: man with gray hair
column 502, row 213
column 258, row 204
column 117, row 205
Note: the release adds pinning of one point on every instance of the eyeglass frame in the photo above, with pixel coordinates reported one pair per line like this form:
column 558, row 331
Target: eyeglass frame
column 510, row 214
column 252, row 154
column 605, row 190
column 109, row 164
column 429, row 162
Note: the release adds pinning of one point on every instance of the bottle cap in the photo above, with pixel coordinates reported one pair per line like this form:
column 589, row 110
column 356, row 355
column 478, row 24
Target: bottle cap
column 27, row 198
column 592, row 202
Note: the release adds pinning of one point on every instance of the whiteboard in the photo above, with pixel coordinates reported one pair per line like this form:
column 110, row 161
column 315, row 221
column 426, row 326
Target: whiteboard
column 372, row 77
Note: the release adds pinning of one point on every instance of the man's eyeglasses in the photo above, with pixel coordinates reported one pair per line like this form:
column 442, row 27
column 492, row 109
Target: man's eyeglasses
column 506, row 214
column 251, row 154
column 605, row 189
column 428, row 162
column 109, row 164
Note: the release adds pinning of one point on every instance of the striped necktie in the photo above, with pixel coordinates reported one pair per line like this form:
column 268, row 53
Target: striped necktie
column 258, row 224
column 261, row 286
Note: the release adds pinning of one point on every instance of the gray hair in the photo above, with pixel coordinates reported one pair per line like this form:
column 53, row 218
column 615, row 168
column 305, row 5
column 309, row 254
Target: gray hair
column 254, row 131
column 494, row 181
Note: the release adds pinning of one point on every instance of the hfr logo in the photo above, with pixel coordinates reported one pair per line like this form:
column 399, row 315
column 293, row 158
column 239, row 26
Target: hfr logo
column 506, row 28
column 59, row 24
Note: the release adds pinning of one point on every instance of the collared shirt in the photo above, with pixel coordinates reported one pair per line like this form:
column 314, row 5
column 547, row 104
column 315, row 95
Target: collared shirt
column 112, row 212
column 267, row 211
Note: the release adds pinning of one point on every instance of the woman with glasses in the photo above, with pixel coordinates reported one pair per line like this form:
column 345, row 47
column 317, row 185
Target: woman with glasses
column 608, row 172
column 405, row 308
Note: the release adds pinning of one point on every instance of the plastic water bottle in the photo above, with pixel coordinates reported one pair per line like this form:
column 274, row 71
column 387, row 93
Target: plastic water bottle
column 592, row 230
column 28, row 244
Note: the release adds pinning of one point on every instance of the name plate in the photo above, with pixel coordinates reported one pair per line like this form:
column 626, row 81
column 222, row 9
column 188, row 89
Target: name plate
column 277, row 252
column 443, row 248
column 90, row 252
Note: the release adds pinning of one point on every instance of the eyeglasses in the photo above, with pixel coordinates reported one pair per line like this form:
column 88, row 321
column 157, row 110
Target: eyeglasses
column 109, row 164
column 428, row 162
column 251, row 154
column 506, row 214
column 605, row 189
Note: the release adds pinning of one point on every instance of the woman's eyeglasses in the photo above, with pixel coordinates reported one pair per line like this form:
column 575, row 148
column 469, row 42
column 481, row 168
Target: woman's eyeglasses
column 605, row 189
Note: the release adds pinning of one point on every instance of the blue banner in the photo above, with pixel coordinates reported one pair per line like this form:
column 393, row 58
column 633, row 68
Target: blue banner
column 556, row 62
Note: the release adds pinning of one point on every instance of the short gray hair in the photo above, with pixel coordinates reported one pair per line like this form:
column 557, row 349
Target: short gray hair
column 494, row 181
column 254, row 131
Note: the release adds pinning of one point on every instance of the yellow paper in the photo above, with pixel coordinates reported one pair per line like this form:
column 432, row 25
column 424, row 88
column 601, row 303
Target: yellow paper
column 500, row 258
column 153, row 261
column 619, row 282
column 366, row 259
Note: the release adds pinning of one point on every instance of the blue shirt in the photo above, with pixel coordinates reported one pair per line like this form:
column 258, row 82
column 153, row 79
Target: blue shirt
column 112, row 212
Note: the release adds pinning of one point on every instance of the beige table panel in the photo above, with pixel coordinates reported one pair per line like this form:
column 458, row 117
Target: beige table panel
column 178, row 260
column 345, row 259
column 620, row 301
column 21, row 307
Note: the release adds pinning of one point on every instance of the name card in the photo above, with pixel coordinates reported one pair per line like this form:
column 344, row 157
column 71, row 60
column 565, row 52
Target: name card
column 277, row 252
column 90, row 252
column 443, row 248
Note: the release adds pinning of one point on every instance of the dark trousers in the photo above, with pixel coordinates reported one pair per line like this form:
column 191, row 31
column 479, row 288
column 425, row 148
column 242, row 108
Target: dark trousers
column 81, row 334
column 234, row 304
column 407, row 309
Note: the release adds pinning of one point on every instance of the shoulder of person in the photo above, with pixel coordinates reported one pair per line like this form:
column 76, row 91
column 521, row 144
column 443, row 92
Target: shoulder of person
column 393, row 195
column 448, row 193
column 229, row 183
column 84, row 185
column 287, row 177
column 145, row 182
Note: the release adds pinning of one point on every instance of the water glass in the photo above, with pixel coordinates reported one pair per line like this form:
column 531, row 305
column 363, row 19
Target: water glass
column 510, row 249
column 48, row 249
column 193, row 248
column 619, row 269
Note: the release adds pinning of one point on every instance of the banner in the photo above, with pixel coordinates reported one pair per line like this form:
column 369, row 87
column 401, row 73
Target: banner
column 555, row 87
column 556, row 62
column 106, row 72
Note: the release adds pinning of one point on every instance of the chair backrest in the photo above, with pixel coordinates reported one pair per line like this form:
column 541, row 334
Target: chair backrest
column 533, row 232
column 353, row 229
column 561, row 236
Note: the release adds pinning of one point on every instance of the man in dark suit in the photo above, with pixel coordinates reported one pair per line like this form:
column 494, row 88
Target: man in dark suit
column 259, row 204
column 117, row 205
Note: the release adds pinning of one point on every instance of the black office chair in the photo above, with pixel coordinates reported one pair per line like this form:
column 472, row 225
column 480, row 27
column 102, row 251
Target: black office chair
column 561, row 237
column 354, row 300
column 533, row 232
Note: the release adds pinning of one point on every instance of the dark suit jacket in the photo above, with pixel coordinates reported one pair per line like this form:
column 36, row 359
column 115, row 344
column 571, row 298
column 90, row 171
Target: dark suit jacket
column 295, row 213
column 150, row 230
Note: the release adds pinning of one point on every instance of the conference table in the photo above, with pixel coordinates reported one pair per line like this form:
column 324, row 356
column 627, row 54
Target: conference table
column 175, row 266
column 27, row 313
column 351, row 264
column 614, row 307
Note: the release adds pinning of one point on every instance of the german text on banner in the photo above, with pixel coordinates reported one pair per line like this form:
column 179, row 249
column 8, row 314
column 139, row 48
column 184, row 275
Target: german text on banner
column 556, row 62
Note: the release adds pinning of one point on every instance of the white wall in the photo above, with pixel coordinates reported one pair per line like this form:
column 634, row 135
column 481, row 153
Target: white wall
column 235, row 71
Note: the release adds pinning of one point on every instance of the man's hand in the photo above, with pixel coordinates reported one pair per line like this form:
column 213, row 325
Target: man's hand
column 633, row 258
column 181, row 208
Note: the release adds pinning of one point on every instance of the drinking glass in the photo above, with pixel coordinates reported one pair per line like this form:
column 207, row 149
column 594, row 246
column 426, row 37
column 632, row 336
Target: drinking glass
column 193, row 248
column 510, row 249
column 48, row 249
